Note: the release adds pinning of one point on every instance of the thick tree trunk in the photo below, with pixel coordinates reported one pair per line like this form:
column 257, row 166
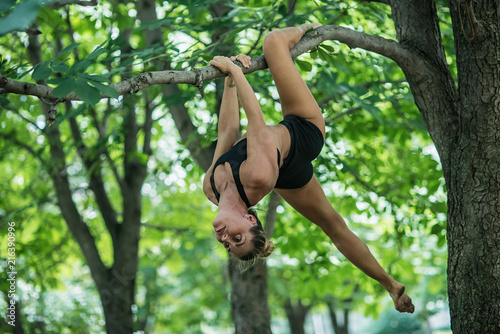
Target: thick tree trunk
column 474, row 183
column 249, row 300
column 465, row 126
column 296, row 315
column 117, row 300
column 338, row 328
column 116, row 285
column 431, row 83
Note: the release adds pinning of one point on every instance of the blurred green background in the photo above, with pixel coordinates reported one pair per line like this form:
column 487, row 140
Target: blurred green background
column 378, row 167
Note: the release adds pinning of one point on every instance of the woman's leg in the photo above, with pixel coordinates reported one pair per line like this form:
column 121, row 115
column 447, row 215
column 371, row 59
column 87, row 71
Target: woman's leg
column 295, row 97
column 311, row 202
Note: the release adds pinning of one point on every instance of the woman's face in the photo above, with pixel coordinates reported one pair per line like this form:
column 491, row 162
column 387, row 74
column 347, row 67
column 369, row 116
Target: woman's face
column 233, row 231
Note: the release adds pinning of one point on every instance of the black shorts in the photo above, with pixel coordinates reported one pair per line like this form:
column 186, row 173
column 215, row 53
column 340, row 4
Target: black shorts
column 306, row 142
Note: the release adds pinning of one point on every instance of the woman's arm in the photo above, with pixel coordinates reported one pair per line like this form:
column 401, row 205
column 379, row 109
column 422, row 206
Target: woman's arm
column 227, row 129
column 260, row 166
column 229, row 119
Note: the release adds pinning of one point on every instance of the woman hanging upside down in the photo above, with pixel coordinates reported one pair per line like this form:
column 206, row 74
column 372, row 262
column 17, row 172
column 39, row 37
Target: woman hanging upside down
column 277, row 157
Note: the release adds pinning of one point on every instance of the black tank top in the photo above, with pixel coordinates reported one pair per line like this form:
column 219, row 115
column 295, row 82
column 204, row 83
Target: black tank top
column 235, row 156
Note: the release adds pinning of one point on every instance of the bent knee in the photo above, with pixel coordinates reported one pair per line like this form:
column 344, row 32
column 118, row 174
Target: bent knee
column 272, row 41
column 279, row 40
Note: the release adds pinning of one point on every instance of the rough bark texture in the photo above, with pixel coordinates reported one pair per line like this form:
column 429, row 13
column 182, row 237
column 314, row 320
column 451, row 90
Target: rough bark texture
column 465, row 126
column 426, row 70
column 474, row 182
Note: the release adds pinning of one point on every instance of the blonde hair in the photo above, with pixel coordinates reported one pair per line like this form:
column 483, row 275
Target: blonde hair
column 262, row 246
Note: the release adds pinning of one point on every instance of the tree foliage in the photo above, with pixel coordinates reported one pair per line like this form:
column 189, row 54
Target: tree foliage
column 379, row 166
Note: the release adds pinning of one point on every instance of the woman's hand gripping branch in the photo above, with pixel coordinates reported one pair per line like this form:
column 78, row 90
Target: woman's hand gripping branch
column 227, row 66
column 246, row 94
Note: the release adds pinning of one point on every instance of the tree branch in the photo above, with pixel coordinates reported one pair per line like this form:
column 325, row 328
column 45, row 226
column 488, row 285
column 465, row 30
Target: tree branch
column 332, row 119
column 26, row 147
column 92, row 159
column 354, row 39
column 148, row 124
column 59, row 4
column 385, row 2
column 64, row 194
column 96, row 183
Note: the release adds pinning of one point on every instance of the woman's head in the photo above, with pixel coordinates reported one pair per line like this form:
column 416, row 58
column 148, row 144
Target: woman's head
column 262, row 247
column 242, row 235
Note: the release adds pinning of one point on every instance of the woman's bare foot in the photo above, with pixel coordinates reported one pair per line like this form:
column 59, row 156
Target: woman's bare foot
column 402, row 302
column 306, row 26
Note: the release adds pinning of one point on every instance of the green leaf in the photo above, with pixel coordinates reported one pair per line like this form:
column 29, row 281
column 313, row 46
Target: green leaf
column 87, row 93
column 67, row 49
column 97, row 78
column 21, row 16
column 436, row 229
column 5, row 5
column 106, row 90
column 283, row 9
column 441, row 241
column 206, row 56
column 323, row 54
column 96, row 53
column 66, row 86
column 55, row 81
column 142, row 157
column 42, row 71
column 327, row 48
column 81, row 66
column 60, row 68
column 304, row 65
column 373, row 110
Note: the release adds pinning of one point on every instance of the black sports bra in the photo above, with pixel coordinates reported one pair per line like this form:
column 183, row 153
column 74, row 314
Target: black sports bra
column 235, row 156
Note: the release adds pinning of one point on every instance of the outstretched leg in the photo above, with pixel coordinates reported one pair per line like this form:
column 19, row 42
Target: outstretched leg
column 295, row 97
column 311, row 202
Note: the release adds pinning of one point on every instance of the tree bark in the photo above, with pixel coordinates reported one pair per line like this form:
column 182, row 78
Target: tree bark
column 474, row 181
column 429, row 76
column 116, row 285
column 249, row 304
column 112, row 293
column 338, row 328
column 296, row 315
column 249, row 298
column 465, row 127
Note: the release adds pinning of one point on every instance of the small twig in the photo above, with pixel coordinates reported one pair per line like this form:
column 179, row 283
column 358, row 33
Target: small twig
column 199, row 81
column 52, row 112
column 59, row 4
column 344, row 113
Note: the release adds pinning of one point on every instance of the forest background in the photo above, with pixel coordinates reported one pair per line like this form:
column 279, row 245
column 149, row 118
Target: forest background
column 107, row 201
